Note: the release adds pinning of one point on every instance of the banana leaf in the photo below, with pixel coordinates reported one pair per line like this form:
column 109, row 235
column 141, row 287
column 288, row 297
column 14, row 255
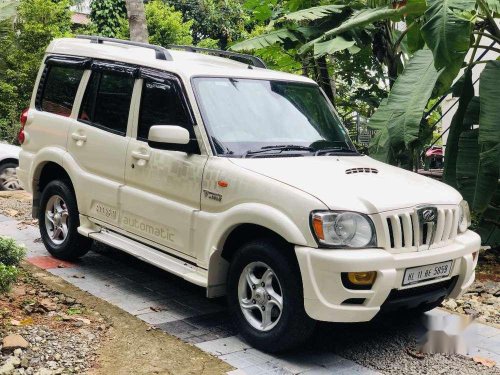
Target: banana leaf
column 312, row 14
column 466, row 93
column 367, row 16
column 401, row 114
column 489, row 136
column 447, row 29
column 265, row 40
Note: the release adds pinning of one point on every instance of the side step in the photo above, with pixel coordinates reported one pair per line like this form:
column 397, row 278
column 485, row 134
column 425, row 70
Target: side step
column 155, row 257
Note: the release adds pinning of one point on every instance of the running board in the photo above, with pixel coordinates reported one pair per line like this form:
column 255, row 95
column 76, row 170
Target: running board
column 155, row 257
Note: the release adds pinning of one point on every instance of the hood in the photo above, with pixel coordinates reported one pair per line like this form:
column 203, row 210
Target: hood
column 341, row 184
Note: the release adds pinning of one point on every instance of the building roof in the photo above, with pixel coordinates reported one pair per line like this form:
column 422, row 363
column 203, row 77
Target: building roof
column 80, row 19
column 184, row 64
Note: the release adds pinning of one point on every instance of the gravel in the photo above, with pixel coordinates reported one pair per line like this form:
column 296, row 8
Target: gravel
column 390, row 345
column 53, row 352
column 62, row 335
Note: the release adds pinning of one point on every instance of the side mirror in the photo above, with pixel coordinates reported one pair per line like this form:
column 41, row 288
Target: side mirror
column 172, row 138
column 169, row 134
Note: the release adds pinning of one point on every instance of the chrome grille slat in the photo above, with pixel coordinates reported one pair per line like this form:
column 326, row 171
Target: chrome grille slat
column 404, row 232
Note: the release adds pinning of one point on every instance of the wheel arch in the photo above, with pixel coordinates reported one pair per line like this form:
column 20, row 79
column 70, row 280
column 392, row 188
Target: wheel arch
column 44, row 173
column 236, row 235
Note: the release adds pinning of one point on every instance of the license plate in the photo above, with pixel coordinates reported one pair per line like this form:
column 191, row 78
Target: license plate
column 429, row 272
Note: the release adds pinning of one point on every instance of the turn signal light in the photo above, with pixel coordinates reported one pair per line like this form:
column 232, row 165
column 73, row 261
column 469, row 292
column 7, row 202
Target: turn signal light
column 362, row 278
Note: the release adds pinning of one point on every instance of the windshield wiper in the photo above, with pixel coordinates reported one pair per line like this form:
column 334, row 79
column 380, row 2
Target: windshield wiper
column 279, row 148
column 336, row 150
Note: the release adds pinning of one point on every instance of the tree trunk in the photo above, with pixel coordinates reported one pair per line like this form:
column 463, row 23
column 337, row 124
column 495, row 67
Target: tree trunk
column 324, row 77
column 137, row 21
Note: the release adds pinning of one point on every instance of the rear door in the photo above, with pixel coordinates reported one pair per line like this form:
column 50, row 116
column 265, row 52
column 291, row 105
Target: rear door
column 162, row 187
column 98, row 140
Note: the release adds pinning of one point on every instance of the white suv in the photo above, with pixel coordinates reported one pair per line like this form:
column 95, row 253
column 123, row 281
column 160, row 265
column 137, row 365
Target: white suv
column 239, row 179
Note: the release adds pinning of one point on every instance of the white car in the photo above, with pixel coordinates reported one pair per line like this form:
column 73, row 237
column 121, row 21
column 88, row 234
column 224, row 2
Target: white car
column 239, row 179
column 9, row 160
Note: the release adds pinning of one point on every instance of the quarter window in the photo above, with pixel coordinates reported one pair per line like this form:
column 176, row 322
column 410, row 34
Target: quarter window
column 60, row 89
column 161, row 104
column 106, row 103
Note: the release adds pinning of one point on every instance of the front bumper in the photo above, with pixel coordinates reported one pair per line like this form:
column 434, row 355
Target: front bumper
column 326, row 298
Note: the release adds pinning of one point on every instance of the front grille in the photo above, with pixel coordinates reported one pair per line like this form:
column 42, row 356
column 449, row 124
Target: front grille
column 404, row 231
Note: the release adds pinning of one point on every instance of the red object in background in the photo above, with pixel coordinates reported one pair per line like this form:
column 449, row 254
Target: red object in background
column 434, row 151
column 24, row 117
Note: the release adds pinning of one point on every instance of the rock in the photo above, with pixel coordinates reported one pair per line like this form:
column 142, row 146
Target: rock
column 57, row 357
column 44, row 371
column 9, row 365
column 69, row 300
column 490, row 301
column 13, row 342
column 18, row 352
column 450, row 304
column 48, row 305
column 25, row 362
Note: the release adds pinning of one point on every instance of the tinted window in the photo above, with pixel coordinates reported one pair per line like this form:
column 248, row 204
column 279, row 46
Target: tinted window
column 59, row 90
column 106, row 103
column 161, row 104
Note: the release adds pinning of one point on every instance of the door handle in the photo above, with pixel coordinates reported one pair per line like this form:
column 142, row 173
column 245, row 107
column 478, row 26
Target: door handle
column 141, row 158
column 79, row 138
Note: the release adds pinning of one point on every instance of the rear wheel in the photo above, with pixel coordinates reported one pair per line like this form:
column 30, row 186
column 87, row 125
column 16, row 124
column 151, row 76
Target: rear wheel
column 265, row 297
column 58, row 219
column 8, row 177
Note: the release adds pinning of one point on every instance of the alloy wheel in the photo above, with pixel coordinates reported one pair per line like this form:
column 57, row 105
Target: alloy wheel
column 260, row 296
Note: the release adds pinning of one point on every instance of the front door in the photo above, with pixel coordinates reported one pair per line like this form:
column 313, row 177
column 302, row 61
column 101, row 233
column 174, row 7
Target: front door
column 98, row 142
column 162, row 187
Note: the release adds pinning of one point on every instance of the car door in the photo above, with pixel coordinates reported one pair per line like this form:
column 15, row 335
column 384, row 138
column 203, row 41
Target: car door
column 98, row 140
column 162, row 187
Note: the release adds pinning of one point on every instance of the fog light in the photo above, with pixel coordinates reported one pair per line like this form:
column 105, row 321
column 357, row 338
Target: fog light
column 362, row 278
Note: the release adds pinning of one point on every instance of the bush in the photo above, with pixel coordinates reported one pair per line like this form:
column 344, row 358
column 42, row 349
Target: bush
column 8, row 275
column 11, row 255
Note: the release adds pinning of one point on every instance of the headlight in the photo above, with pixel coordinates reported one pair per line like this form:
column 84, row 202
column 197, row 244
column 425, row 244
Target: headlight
column 464, row 220
column 343, row 229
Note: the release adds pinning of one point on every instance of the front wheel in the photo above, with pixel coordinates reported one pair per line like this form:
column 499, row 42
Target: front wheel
column 265, row 297
column 8, row 177
column 58, row 220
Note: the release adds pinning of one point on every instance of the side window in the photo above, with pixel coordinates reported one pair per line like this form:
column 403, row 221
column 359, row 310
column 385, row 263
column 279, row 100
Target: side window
column 161, row 104
column 59, row 90
column 106, row 103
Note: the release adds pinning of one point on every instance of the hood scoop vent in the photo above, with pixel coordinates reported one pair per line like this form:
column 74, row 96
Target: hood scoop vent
column 361, row 170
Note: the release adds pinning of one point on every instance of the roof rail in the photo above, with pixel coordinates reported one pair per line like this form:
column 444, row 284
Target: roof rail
column 253, row 60
column 161, row 53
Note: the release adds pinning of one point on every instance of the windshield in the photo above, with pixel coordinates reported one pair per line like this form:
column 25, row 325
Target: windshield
column 246, row 115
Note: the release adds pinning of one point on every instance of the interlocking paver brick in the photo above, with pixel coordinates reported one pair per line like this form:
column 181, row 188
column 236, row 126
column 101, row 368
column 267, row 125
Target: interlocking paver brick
column 224, row 346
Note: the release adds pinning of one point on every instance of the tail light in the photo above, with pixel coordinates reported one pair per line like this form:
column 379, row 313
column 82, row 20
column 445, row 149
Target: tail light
column 24, row 117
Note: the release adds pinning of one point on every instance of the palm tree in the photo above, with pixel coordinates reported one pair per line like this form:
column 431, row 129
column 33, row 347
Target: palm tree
column 137, row 20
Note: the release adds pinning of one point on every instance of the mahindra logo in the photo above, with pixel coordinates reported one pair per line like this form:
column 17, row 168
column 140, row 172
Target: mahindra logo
column 427, row 222
column 428, row 215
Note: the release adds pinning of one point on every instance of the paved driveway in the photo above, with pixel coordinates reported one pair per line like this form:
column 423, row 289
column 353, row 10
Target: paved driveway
column 386, row 345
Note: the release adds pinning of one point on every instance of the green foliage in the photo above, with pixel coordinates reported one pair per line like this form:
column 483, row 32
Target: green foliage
column 365, row 17
column 221, row 20
column 11, row 255
column 265, row 40
column 166, row 26
column 22, row 46
column 447, row 29
column 312, row 14
column 399, row 117
column 109, row 17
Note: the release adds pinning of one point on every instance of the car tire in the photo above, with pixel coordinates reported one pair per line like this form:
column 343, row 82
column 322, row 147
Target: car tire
column 9, row 181
column 281, row 328
column 59, row 220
